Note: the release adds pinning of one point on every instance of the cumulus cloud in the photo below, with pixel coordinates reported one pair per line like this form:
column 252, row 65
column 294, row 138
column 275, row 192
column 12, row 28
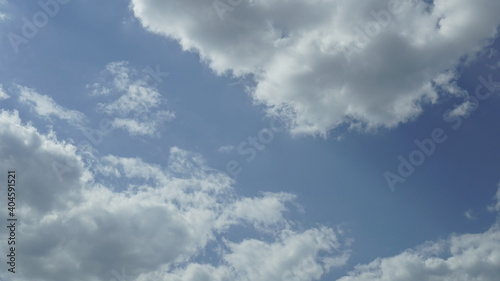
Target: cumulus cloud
column 126, row 216
column 45, row 106
column 327, row 63
column 293, row 257
column 138, row 107
column 116, row 215
column 462, row 257
column 467, row 257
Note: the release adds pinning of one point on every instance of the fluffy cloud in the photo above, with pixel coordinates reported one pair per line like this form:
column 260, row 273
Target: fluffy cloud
column 137, row 109
column 293, row 257
column 462, row 257
column 86, row 221
column 149, row 222
column 471, row 257
column 326, row 63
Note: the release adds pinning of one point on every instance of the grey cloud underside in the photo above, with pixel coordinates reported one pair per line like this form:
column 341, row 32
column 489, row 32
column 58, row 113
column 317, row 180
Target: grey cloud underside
column 150, row 222
column 156, row 221
column 113, row 213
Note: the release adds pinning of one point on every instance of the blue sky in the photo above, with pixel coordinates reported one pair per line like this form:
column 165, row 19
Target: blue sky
column 252, row 140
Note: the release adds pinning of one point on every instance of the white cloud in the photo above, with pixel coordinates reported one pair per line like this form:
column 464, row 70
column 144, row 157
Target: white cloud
column 294, row 256
column 137, row 110
column 2, row 15
column 22, row 148
column 144, row 127
column 470, row 215
column 462, row 257
column 496, row 207
column 468, row 257
column 46, row 107
column 155, row 221
column 256, row 210
column 123, row 213
column 3, row 94
column 138, row 99
column 463, row 110
column 296, row 52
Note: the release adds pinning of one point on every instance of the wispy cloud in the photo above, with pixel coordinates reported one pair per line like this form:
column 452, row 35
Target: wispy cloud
column 138, row 109
column 2, row 15
column 144, row 126
column 45, row 106
column 3, row 94
column 462, row 110
column 470, row 215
